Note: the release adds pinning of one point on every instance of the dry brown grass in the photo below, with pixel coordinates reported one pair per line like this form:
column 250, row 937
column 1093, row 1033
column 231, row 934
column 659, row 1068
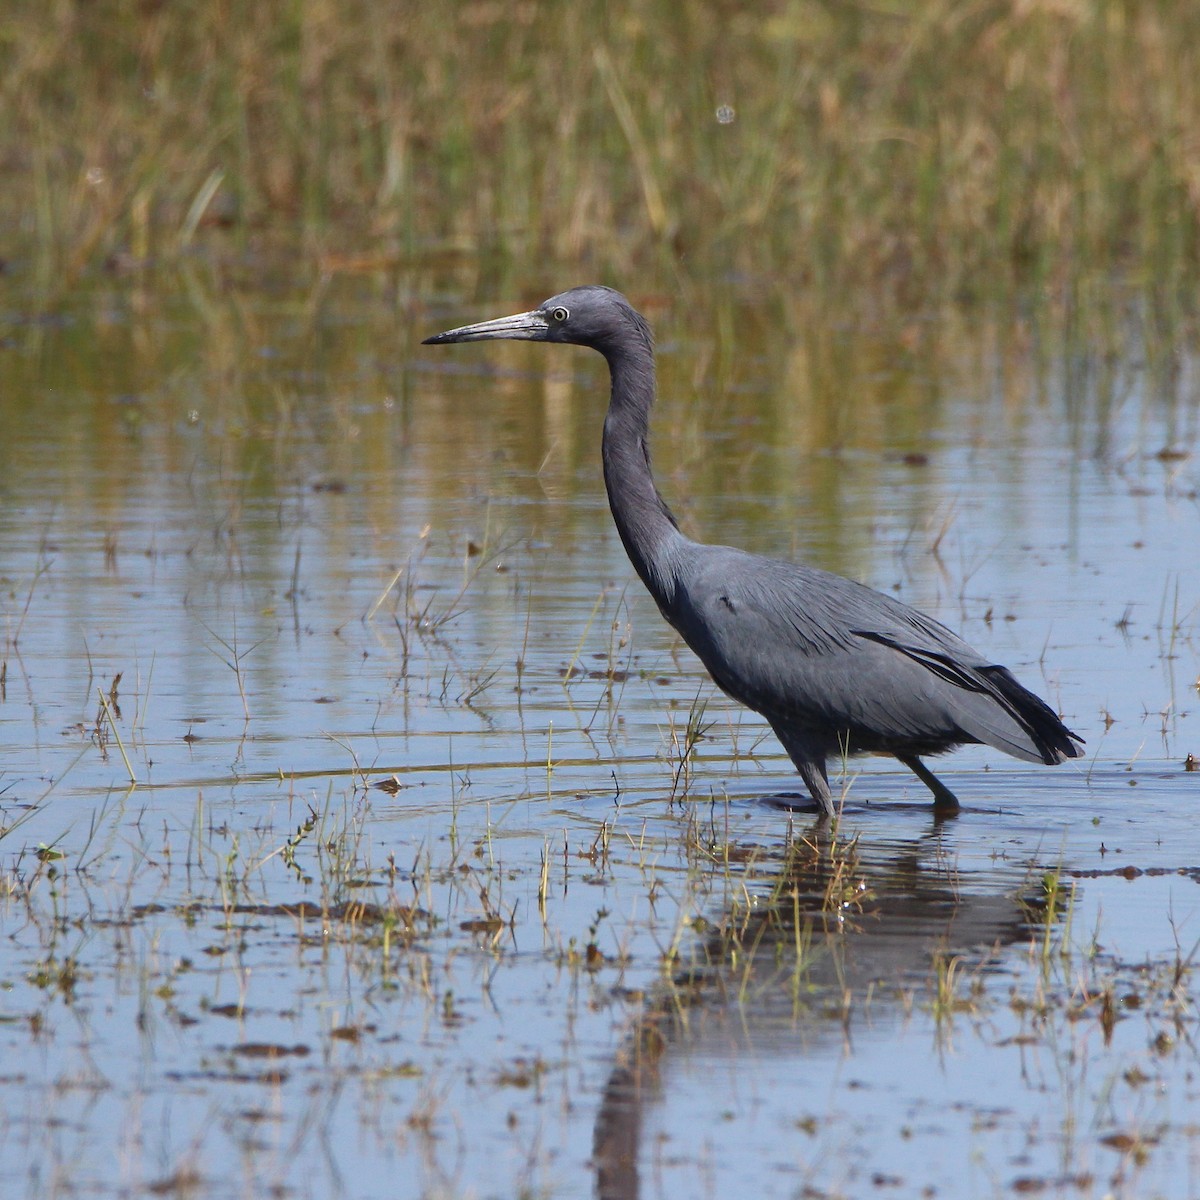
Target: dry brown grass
column 935, row 149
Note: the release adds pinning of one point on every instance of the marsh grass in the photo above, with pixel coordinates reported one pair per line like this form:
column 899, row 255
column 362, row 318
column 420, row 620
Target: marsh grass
column 321, row 931
column 931, row 151
column 683, row 748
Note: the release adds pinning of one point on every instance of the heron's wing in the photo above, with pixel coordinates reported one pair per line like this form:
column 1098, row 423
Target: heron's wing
column 803, row 646
column 992, row 706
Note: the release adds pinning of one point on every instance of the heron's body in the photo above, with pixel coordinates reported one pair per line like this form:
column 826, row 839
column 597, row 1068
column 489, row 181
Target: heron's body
column 837, row 668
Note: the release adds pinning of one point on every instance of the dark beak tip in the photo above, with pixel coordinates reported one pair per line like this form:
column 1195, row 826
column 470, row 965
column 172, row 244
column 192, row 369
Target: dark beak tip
column 530, row 326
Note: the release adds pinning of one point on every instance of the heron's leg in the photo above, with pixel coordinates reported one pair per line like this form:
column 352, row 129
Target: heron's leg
column 810, row 762
column 817, row 781
column 943, row 797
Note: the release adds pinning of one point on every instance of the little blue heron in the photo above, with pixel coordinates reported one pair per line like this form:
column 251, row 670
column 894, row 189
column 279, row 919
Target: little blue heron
column 836, row 667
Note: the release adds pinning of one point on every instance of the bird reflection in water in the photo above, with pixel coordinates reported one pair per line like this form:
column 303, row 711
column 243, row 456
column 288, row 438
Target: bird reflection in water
column 833, row 935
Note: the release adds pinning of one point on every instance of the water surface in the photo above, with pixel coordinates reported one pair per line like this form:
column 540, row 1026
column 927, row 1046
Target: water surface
column 261, row 554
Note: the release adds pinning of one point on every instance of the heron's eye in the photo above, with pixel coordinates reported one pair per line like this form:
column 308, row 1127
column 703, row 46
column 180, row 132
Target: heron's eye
column 559, row 315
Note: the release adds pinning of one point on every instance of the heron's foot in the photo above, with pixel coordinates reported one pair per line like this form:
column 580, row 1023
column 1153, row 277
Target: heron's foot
column 944, row 800
column 795, row 802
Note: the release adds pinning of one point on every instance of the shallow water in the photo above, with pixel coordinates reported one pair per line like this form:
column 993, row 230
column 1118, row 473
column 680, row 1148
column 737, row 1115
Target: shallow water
column 557, row 955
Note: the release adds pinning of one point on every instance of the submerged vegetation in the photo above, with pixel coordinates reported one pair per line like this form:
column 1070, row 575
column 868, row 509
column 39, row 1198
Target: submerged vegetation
column 337, row 995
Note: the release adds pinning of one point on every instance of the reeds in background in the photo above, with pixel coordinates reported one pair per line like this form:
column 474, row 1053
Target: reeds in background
column 925, row 150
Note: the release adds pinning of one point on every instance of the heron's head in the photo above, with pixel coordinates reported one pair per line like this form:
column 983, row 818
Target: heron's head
column 584, row 316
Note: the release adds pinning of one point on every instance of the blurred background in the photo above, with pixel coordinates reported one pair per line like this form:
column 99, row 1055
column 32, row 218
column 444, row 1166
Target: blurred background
column 878, row 160
column 835, row 215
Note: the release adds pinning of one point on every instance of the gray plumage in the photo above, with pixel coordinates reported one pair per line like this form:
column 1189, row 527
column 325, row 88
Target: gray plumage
column 837, row 668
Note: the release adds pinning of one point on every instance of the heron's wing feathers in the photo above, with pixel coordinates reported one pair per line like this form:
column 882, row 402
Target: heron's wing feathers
column 992, row 706
column 806, row 647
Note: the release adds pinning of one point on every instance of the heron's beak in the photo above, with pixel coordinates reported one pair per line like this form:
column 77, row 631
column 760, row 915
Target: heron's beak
column 524, row 327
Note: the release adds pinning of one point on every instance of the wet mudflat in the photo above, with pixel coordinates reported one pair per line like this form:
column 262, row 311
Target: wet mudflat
column 366, row 833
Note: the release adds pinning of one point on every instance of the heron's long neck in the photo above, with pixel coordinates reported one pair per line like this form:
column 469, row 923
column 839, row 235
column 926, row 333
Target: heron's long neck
column 647, row 527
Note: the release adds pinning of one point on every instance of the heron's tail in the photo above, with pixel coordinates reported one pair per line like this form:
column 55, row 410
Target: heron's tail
column 990, row 706
column 1049, row 737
